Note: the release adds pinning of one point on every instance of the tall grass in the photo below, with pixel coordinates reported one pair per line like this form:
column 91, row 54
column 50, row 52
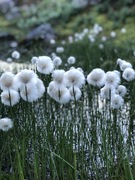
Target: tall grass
column 84, row 139
column 79, row 140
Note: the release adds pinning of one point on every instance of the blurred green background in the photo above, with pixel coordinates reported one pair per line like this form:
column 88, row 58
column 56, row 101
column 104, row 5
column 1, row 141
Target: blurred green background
column 21, row 18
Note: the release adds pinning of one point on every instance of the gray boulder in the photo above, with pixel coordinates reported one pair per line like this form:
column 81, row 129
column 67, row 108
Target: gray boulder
column 84, row 3
column 43, row 31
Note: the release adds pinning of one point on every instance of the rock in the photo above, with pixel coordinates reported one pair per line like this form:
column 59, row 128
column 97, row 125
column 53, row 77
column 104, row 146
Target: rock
column 84, row 3
column 5, row 5
column 43, row 31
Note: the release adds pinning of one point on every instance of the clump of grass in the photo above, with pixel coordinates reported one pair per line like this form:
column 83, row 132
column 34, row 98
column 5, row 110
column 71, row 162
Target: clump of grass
column 81, row 139
column 54, row 136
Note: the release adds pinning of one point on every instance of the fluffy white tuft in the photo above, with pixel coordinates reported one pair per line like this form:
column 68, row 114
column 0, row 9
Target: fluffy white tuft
column 57, row 61
column 112, row 78
column 71, row 60
column 121, row 90
column 107, row 92
column 58, row 77
column 75, row 93
column 128, row 74
column 117, row 101
column 96, row 77
column 59, row 94
column 25, row 77
column 29, row 93
column 6, row 124
column 10, row 97
column 74, row 77
column 15, row 54
column 45, row 65
column 7, row 81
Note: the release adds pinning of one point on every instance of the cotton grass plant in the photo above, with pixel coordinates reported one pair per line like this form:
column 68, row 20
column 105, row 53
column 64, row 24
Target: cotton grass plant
column 66, row 123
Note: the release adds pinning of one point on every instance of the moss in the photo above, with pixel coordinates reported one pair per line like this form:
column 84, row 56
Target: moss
column 4, row 22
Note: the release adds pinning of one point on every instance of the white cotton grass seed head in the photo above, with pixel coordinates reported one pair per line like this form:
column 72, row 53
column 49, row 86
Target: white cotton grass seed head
column 52, row 87
column 107, row 92
column 123, row 30
column 34, row 60
column 91, row 38
column 101, row 46
column 125, row 65
column 128, row 74
column 30, row 93
column 45, row 65
column 117, row 101
column 71, row 60
column 63, row 42
column 53, row 55
column 85, row 31
column 70, row 39
column 112, row 78
column 59, row 49
column 121, row 90
column 96, row 77
column 40, row 88
column 13, row 44
column 113, row 34
column 75, row 93
column 58, row 76
column 7, row 81
column 58, row 93
column 80, row 69
column 15, row 55
column 10, row 98
column 97, row 28
column 62, row 95
column 74, row 77
column 119, row 61
column 6, row 124
column 9, row 60
column 25, row 77
column 103, row 38
column 52, row 41
column 57, row 61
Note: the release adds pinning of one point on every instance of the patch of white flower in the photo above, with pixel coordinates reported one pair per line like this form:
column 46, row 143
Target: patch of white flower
column 10, row 97
column 121, row 90
column 6, row 124
column 113, row 34
column 107, row 92
column 57, row 61
column 96, row 77
column 75, row 93
column 34, row 60
column 117, row 101
column 7, row 81
column 71, row 60
column 44, row 65
column 59, row 49
column 123, row 64
column 129, row 74
column 74, row 77
column 15, row 55
column 112, row 78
